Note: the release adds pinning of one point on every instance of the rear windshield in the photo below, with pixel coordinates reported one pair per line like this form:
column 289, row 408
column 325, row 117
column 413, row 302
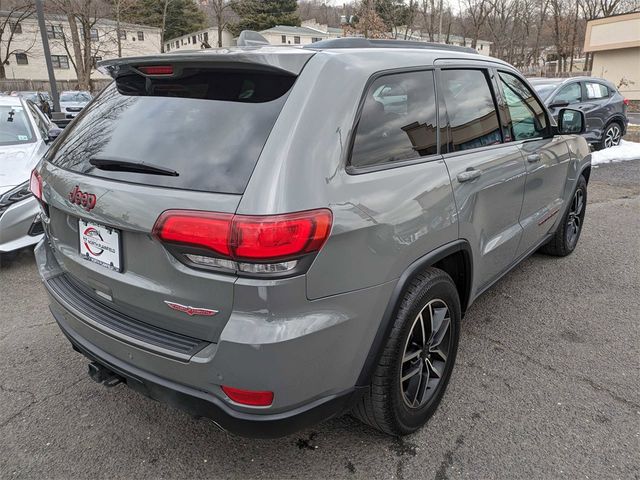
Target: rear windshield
column 208, row 126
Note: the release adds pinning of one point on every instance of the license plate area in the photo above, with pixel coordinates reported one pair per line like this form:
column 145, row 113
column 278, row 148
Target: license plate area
column 100, row 244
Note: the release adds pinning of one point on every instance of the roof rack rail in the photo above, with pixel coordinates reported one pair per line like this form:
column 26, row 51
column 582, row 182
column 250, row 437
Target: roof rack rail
column 358, row 42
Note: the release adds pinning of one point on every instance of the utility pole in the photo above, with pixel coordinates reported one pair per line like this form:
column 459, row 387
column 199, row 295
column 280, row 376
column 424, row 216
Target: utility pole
column 47, row 56
column 440, row 23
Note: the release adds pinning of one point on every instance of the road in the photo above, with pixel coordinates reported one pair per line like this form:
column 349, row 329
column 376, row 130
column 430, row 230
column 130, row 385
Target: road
column 547, row 385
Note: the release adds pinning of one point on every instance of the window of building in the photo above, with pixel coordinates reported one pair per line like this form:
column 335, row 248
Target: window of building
column 95, row 60
column 569, row 93
column 596, row 90
column 315, row 39
column 168, row 47
column 284, row 38
column 55, row 31
column 296, row 40
column 398, row 120
column 122, row 34
column 93, row 33
column 22, row 59
column 141, row 36
column 177, row 44
column 473, row 121
column 526, row 115
column 15, row 27
column 60, row 61
column 193, row 39
column 206, row 37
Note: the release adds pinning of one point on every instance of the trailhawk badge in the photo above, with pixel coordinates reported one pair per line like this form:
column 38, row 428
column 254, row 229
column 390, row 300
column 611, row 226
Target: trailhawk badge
column 191, row 311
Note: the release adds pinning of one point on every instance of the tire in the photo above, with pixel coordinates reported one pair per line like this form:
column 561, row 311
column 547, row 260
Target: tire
column 386, row 403
column 567, row 234
column 611, row 137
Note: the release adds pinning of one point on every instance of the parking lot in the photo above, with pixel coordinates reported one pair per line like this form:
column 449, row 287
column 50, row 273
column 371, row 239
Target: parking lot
column 547, row 384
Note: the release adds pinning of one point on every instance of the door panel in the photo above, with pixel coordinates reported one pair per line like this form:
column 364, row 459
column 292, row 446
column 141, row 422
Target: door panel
column 546, row 159
column 488, row 183
column 489, row 207
column 597, row 108
column 547, row 162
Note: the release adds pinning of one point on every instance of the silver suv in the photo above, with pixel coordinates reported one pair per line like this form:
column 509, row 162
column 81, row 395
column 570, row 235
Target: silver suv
column 271, row 236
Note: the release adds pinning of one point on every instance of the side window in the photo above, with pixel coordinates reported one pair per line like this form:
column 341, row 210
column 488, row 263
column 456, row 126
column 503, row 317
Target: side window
column 527, row 116
column 40, row 123
column 473, row 121
column 398, row 120
column 596, row 91
column 571, row 93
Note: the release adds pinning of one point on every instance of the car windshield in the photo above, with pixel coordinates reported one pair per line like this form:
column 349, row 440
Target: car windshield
column 544, row 89
column 15, row 128
column 74, row 97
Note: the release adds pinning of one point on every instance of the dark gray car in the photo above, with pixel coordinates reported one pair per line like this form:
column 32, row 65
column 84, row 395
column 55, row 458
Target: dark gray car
column 270, row 236
column 603, row 106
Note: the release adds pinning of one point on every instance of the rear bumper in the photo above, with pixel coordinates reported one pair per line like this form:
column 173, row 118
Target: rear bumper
column 203, row 404
column 20, row 225
column 309, row 355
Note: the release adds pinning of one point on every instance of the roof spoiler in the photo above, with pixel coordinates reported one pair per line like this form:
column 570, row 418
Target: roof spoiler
column 274, row 59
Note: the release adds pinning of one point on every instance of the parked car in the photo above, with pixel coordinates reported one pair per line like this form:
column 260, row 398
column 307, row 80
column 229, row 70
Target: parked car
column 41, row 99
column 235, row 233
column 604, row 107
column 24, row 137
column 72, row 102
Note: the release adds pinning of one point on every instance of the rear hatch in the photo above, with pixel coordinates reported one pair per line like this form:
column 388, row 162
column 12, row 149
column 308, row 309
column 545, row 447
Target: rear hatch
column 172, row 132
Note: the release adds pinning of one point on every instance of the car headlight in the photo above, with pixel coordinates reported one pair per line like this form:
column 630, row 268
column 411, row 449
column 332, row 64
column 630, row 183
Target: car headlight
column 15, row 195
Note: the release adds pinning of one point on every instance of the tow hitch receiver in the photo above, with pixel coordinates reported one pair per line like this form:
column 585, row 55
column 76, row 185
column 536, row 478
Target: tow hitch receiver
column 103, row 375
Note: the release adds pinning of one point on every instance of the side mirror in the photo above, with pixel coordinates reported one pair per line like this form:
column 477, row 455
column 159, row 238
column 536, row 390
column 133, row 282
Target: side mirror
column 53, row 134
column 559, row 104
column 571, row 122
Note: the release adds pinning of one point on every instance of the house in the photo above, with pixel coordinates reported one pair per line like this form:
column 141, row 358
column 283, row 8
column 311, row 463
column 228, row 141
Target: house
column 615, row 45
column 310, row 31
column 207, row 38
column 27, row 60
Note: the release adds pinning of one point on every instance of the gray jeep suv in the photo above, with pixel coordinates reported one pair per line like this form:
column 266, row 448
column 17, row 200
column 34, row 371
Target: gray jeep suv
column 271, row 236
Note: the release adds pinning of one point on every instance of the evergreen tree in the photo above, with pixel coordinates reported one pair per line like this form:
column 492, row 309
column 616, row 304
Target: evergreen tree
column 182, row 16
column 263, row 14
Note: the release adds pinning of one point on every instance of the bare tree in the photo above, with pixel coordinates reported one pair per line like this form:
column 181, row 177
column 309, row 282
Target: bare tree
column 81, row 43
column 8, row 26
column 221, row 13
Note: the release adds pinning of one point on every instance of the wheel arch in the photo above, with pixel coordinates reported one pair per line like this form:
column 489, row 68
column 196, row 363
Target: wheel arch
column 455, row 258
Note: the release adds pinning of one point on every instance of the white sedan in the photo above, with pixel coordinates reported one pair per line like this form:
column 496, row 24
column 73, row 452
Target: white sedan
column 25, row 135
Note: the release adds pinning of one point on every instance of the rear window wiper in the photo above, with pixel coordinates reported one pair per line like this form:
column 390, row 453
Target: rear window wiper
column 122, row 165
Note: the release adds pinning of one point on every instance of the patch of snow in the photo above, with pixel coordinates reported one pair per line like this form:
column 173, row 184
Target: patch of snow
column 621, row 153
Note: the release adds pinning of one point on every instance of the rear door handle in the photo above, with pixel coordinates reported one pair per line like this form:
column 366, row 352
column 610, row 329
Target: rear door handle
column 468, row 175
column 533, row 158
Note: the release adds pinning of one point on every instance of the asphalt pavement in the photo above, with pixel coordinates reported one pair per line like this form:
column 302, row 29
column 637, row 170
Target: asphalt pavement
column 547, row 385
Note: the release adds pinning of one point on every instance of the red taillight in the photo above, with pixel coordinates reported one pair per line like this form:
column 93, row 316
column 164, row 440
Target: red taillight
column 247, row 237
column 199, row 229
column 157, row 70
column 35, row 184
column 249, row 397
column 626, row 101
column 279, row 236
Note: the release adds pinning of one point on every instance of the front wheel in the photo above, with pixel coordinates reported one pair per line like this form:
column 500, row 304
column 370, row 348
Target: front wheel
column 566, row 237
column 416, row 364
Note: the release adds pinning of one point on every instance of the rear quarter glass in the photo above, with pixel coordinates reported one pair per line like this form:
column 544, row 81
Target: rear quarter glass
column 207, row 125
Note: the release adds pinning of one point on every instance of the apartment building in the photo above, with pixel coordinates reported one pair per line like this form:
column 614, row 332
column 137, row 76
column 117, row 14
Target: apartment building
column 27, row 60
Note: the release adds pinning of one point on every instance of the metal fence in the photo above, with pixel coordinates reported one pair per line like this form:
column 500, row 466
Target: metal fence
column 44, row 85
